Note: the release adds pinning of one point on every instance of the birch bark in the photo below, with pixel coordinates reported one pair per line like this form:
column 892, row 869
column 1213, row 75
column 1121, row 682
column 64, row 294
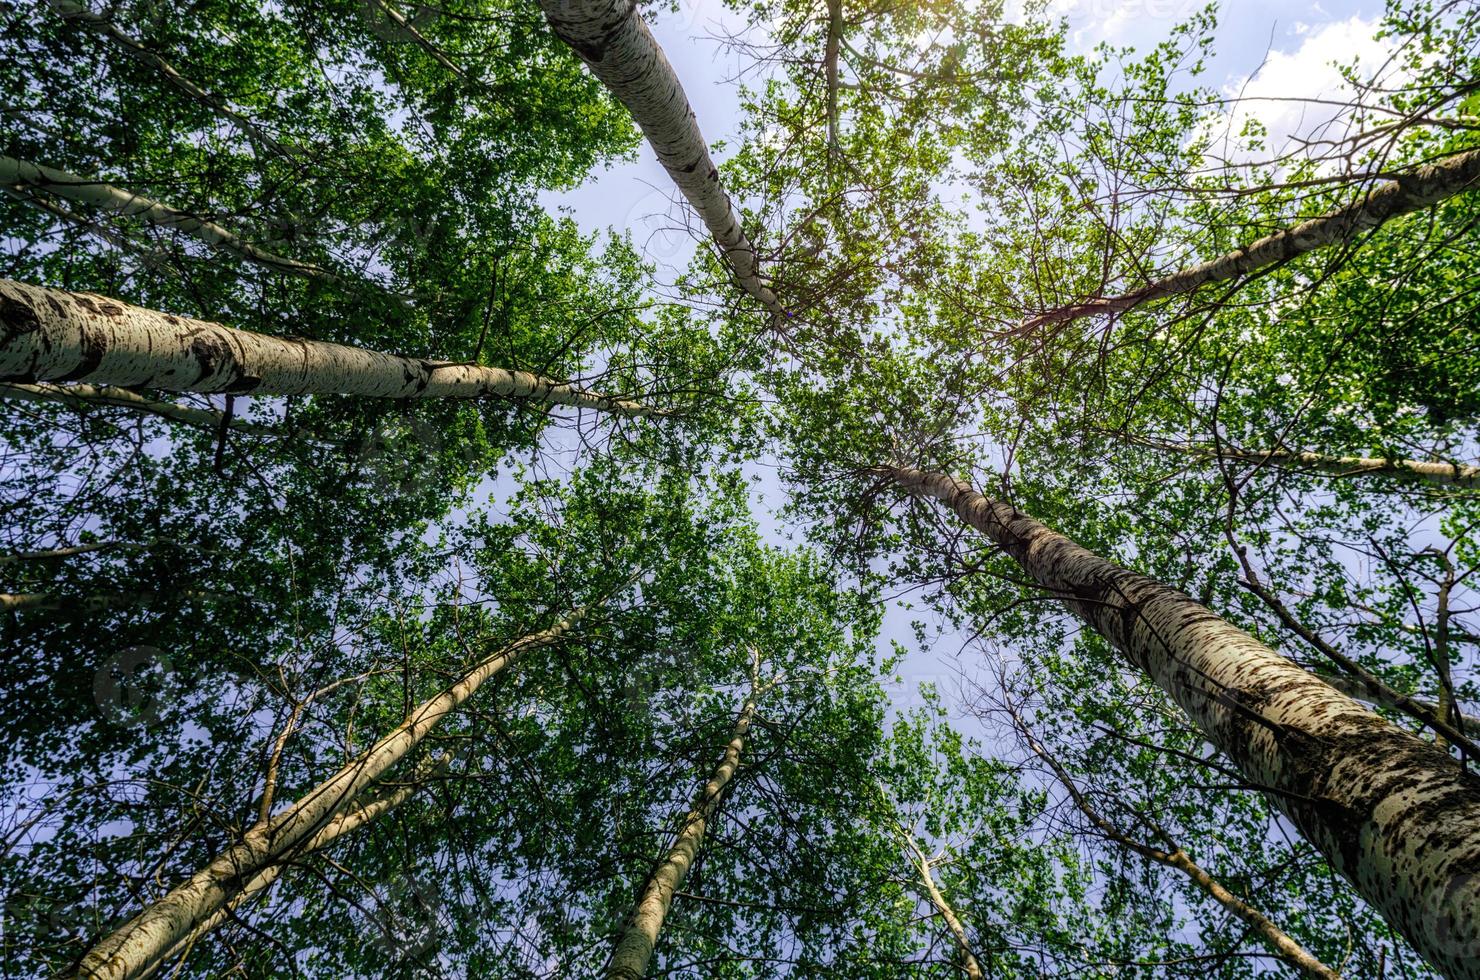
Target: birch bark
column 1422, row 470
column 1390, row 811
column 52, row 335
column 147, row 939
column 102, row 195
column 639, row 937
column 615, row 43
column 338, row 827
column 1423, row 188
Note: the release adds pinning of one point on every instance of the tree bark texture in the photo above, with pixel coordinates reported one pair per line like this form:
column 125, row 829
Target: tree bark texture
column 1390, row 811
column 615, row 43
column 53, row 335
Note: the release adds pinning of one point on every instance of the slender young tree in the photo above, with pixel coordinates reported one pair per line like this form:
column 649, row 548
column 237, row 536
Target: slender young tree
column 924, row 866
column 640, row 935
column 1280, row 942
column 142, row 944
column 104, row 195
column 88, row 396
column 1435, row 472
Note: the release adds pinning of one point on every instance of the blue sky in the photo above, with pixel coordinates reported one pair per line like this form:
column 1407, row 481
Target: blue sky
column 1278, row 48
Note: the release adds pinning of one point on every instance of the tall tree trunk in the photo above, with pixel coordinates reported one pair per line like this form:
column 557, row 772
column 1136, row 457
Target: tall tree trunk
column 1281, row 943
column 1393, row 813
column 616, row 44
column 53, row 335
column 923, row 867
column 830, row 69
column 340, row 826
column 98, row 194
column 1427, row 471
column 1423, row 188
column 143, row 942
column 635, row 947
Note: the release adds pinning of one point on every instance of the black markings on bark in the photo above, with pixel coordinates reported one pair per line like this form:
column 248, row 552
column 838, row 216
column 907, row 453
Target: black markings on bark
column 17, row 317
column 212, row 355
column 241, row 385
column 91, row 347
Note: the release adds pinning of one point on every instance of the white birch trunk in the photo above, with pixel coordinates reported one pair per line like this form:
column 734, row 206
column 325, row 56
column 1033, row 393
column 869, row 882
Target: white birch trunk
column 924, row 868
column 53, row 335
column 1423, row 188
column 1393, row 813
column 338, row 827
column 614, row 41
column 143, row 942
column 635, row 948
column 1422, row 470
column 102, row 195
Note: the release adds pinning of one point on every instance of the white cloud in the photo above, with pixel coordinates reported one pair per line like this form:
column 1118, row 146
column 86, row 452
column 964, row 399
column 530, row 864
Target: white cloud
column 1093, row 21
column 1282, row 94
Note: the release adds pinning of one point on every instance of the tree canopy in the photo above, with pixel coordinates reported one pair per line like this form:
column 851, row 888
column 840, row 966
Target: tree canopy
column 401, row 578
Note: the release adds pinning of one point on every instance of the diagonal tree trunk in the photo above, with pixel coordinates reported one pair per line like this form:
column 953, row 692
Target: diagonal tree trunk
column 635, row 947
column 1392, row 812
column 1420, row 470
column 924, row 868
column 1281, row 943
column 614, row 41
column 1422, row 188
column 141, row 944
column 342, row 825
column 102, row 195
column 407, row 28
column 52, row 335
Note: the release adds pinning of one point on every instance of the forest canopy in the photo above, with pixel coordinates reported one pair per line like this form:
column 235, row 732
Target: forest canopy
column 1021, row 521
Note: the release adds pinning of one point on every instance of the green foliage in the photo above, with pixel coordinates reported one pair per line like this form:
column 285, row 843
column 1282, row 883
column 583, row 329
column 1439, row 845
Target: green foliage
column 323, row 579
